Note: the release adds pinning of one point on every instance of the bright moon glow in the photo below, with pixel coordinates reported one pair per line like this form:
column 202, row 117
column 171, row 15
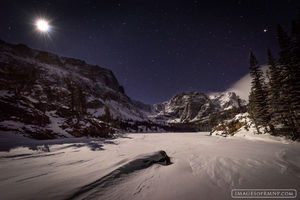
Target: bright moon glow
column 42, row 25
column 265, row 30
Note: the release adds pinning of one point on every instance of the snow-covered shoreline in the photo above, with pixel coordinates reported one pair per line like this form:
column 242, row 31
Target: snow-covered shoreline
column 204, row 167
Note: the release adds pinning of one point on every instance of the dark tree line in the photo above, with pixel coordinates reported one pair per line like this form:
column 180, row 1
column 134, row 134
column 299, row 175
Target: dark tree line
column 18, row 79
column 274, row 104
column 77, row 97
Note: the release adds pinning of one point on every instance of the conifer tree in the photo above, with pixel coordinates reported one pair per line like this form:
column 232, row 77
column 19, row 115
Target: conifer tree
column 296, row 39
column 258, row 95
column 289, row 95
column 295, row 75
column 107, row 116
column 284, row 45
column 278, row 101
column 274, row 90
column 82, row 100
column 252, row 111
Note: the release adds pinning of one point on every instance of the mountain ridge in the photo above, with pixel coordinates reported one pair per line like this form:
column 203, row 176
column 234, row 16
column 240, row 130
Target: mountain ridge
column 63, row 97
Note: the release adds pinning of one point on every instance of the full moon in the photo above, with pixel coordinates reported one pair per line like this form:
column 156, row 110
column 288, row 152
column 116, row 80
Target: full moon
column 42, row 25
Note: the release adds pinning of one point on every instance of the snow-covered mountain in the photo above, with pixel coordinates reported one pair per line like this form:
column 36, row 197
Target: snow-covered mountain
column 183, row 107
column 226, row 100
column 42, row 93
column 194, row 106
column 45, row 96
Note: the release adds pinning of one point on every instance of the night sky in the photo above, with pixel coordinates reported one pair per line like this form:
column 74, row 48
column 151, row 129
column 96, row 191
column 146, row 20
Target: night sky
column 156, row 49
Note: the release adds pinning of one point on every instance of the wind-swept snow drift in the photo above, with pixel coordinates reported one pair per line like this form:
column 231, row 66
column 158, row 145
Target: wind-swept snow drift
column 204, row 167
column 98, row 187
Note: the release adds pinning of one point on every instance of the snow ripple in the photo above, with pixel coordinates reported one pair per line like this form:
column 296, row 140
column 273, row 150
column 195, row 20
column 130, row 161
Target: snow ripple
column 97, row 188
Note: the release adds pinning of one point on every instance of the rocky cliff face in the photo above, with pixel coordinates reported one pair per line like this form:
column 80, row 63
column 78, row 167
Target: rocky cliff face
column 194, row 106
column 226, row 100
column 184, row 107
column 47, row 96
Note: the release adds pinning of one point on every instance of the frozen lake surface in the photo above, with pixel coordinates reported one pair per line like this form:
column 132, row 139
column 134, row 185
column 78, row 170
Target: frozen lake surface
column 203, row 167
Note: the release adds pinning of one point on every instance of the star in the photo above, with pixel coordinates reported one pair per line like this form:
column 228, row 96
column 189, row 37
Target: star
column 265, row 30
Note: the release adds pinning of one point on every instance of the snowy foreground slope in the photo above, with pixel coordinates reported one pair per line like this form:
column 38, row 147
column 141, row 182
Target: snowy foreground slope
column 204, row 167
